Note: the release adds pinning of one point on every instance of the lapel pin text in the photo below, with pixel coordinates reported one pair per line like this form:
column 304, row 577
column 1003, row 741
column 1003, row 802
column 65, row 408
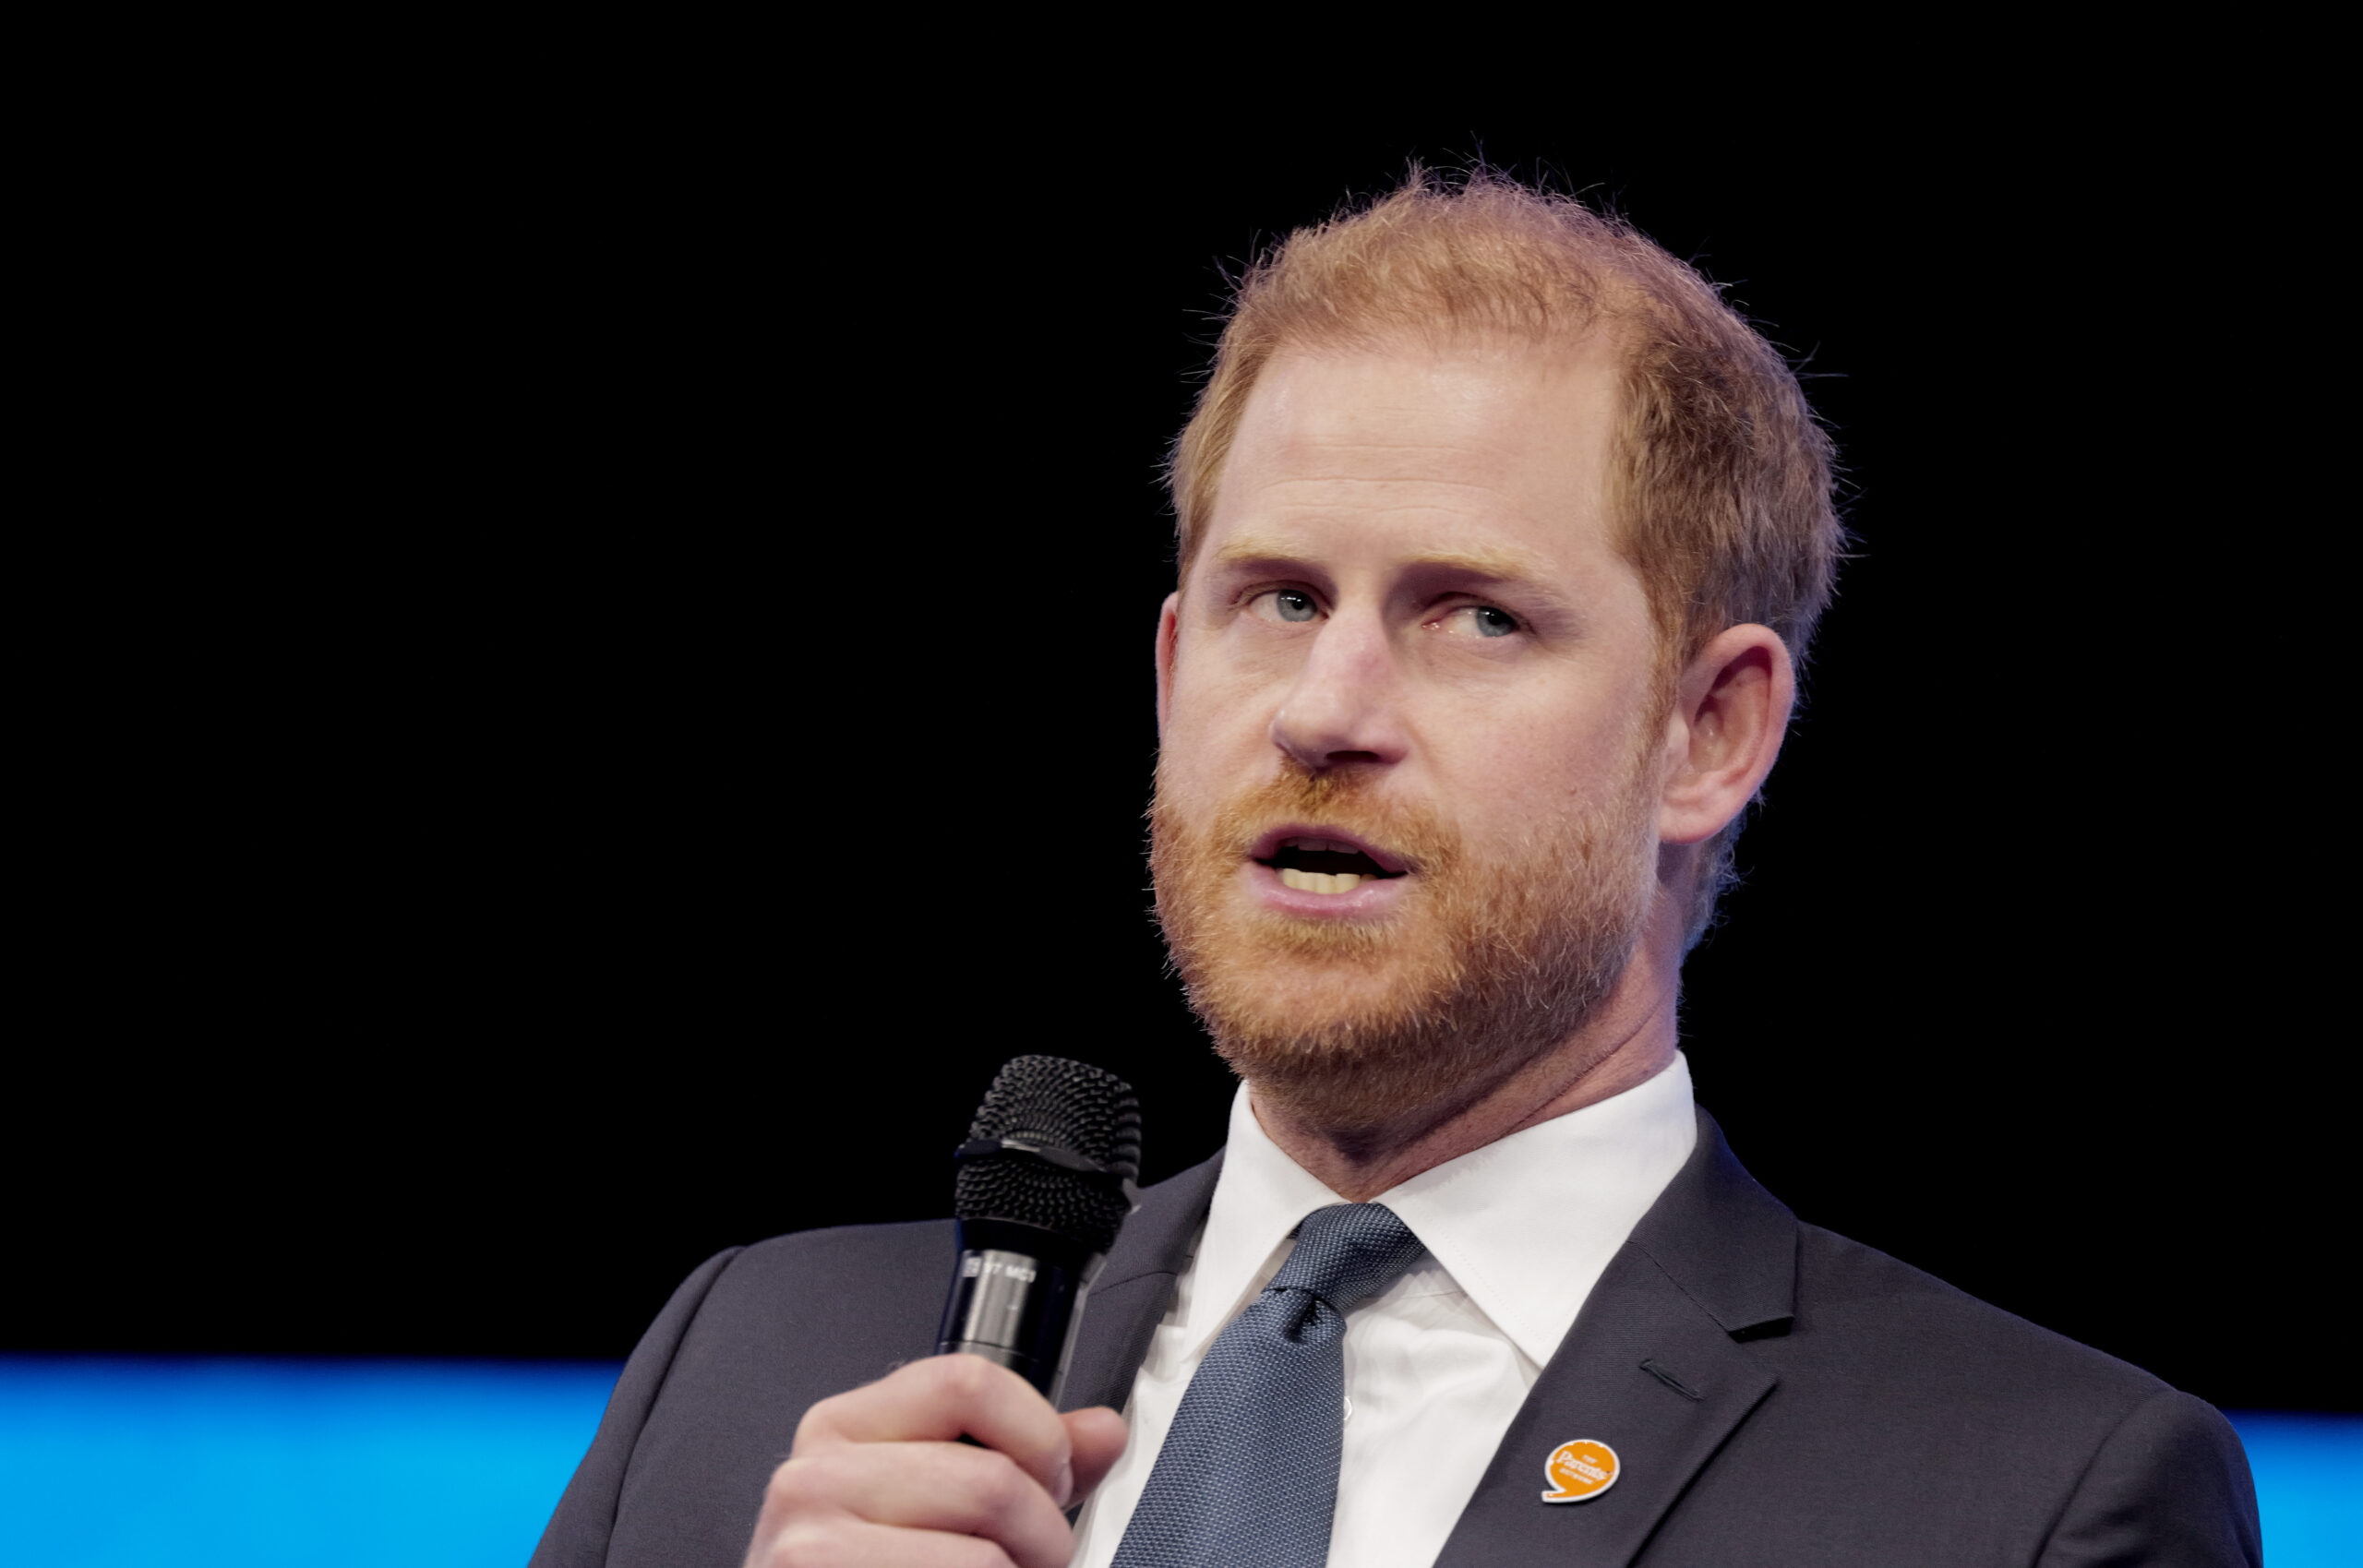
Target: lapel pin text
column 1578, row 1471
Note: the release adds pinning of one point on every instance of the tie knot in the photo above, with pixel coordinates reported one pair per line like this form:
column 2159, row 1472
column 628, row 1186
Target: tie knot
column 1347, row 1253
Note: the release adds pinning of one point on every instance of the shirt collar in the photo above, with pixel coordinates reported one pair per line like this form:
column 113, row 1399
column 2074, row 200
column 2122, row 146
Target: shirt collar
column 1581, row 1182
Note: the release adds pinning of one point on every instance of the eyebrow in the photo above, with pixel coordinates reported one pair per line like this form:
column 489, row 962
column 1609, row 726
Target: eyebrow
column 1499, row 566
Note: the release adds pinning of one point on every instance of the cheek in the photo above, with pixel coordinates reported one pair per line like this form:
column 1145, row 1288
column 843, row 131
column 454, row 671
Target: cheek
column 1543, row 758
column 1215, row 691
column 1214, row 727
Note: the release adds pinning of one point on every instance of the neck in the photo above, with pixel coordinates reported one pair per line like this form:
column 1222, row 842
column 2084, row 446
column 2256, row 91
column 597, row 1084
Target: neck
column 1629, row 1041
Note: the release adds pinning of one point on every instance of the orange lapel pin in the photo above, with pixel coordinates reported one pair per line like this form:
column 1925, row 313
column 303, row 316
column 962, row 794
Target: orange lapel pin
column 1578, row 1471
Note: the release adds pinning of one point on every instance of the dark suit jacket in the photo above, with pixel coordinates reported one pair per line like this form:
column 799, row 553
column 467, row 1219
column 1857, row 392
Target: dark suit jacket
column 1777, row 1396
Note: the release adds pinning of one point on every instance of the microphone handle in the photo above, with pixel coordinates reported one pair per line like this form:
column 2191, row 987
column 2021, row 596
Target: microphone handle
column 1017, row 1299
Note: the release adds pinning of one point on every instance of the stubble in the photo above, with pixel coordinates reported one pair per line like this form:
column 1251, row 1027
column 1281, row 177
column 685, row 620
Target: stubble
column 1498, row 953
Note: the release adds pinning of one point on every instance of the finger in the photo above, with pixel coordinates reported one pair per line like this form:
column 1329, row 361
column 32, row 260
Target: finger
column 953, row 1488
column 951, row 1396
column 1097, row 1437
column 856, row 1543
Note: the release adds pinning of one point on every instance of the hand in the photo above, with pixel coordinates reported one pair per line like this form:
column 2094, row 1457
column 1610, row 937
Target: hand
column 877, row 1477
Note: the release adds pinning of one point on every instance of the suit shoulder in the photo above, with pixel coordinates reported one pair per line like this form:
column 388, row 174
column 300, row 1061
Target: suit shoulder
column 1858, row 1301
column 2170, row 1484
column 855, row 1279
column 786, row 1322
column 863, row 1247
column 1908, row 1421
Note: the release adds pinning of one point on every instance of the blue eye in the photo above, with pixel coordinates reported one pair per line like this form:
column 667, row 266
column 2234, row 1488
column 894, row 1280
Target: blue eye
column 1292, row 605
column 1477, row 620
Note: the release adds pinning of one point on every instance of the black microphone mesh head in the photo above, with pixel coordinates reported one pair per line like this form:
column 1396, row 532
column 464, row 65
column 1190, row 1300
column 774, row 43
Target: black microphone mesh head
column 1065, row 1105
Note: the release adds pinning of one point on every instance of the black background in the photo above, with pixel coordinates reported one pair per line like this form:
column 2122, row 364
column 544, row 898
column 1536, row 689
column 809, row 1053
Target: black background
column 635, row 697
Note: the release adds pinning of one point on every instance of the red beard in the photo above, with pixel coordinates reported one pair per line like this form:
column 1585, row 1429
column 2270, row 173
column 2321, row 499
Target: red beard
column 1491, row 959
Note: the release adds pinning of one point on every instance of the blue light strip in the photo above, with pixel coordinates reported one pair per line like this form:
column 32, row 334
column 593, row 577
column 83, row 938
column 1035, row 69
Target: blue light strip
column 2309, row 1474
column 276, row 1464
column 263, row 1464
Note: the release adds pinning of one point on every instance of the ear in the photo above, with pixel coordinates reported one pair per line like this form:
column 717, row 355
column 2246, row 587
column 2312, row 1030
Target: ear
column 1730, row 712
column 1169, row 624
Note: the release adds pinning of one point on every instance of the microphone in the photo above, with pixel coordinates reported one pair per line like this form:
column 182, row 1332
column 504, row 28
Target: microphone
column 1044, row 1180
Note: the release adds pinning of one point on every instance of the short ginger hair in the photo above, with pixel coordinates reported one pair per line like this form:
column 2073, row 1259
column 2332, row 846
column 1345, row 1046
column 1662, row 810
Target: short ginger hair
column 1720, row 479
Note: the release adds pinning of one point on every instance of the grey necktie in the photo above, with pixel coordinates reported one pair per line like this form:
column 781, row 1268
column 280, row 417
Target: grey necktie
column 1249, row 1470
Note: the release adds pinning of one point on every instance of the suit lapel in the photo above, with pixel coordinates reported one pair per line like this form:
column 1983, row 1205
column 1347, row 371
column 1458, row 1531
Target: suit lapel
column 1129, row 1299
column 1652, row 1368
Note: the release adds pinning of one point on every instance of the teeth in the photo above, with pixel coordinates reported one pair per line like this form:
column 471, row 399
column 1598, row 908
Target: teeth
column 1319, row 881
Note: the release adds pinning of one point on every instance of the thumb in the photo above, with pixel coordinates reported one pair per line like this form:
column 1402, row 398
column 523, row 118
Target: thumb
column 1097, row 1437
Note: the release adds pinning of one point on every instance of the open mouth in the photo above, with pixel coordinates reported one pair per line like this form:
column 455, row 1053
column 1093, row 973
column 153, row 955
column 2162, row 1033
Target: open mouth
column 1310, row 864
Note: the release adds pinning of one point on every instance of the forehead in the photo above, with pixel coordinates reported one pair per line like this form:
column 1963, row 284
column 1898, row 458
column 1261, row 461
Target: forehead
column 1471, row 447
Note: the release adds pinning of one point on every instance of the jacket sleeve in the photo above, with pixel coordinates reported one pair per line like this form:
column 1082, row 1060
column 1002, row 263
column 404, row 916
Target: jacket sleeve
column 2169, row 1488
column 577, row 1533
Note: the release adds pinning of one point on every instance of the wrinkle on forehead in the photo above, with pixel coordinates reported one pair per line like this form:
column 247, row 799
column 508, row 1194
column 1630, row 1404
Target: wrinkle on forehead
column 1504, row 562
column 1532, row 430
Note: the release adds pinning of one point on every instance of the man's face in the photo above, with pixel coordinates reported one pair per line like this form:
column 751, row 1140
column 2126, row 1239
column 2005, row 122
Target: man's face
column 1405, row 829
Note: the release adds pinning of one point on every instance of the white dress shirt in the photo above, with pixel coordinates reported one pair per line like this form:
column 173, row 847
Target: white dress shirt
column 1516, row 1234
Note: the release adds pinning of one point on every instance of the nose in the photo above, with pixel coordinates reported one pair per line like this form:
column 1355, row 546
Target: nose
column 1343, row 707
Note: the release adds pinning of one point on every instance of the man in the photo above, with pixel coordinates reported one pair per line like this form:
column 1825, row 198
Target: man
column 1499, row 540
